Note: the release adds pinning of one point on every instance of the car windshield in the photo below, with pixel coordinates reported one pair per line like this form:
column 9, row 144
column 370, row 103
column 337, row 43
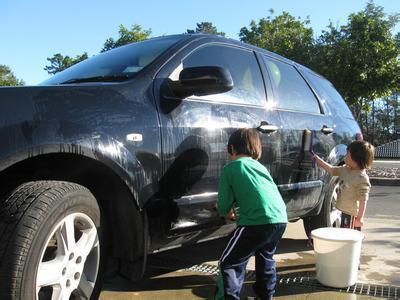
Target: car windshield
column 116, row 65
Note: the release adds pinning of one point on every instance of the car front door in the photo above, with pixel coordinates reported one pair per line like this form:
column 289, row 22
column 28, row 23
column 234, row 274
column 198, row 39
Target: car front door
column 195, row 132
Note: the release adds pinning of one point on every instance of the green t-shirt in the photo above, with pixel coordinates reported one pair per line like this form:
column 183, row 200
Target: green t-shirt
column 247, row 185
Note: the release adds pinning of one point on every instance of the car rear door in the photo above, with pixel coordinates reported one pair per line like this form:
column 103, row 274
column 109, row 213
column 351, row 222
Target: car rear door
column 305, row 125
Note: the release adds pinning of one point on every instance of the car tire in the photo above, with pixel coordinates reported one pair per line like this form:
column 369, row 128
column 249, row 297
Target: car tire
column 329, row 215
column 50, row 242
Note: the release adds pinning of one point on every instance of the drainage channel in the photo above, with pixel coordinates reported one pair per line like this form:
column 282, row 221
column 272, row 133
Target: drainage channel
column 307, row 280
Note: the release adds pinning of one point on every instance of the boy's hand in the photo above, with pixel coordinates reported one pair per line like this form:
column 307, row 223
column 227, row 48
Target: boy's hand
column 232, row 214
column 358, row 222
column 313, row 158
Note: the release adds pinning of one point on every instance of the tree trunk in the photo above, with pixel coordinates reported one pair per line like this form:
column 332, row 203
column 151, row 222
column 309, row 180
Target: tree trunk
column 396, row 120
column 373, row 123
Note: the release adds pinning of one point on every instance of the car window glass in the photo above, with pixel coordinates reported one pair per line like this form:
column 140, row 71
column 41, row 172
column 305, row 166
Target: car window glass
column 118, row 64
column 242, row 64
column 290, row 90
column 329, row 94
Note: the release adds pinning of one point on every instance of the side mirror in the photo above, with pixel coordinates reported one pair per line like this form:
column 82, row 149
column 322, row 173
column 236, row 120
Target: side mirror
column 201, row 81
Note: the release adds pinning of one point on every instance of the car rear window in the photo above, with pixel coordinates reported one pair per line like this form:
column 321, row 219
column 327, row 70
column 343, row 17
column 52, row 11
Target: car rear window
column 291, row 91
column 330, row 95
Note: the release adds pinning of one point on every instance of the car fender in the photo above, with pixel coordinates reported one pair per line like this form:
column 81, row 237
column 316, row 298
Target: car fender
column 105, row 149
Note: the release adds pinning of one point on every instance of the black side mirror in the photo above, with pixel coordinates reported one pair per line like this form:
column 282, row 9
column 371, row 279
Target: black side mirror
column 201, row 81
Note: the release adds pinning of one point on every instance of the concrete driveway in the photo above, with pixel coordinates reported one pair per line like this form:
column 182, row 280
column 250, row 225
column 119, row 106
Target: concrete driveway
column 189, row 273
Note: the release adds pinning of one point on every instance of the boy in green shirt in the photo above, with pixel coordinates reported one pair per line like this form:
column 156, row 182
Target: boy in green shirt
column 248, row 193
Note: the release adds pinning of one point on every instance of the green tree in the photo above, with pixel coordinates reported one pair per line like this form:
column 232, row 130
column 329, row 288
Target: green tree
column 59, row 62
column 127, row 36
column 362, row 60
column 283, row 34
column 382, row 119
column 7, row 77
column 205, row 27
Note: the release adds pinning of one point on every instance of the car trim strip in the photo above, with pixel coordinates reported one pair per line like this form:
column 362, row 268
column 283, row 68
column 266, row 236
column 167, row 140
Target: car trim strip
column 300, row 185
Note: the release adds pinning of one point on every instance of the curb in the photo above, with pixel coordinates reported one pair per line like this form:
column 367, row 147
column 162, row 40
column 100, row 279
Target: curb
column 384, row 181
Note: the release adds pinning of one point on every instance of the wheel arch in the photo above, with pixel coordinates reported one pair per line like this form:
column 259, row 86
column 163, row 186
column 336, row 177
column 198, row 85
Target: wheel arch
column 117, row 198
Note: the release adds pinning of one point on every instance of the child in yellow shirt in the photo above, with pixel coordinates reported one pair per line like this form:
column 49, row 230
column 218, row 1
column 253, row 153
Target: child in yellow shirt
column 354, row 191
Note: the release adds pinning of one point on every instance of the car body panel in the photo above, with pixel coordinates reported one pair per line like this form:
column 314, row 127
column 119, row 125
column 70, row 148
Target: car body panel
column 91, row 121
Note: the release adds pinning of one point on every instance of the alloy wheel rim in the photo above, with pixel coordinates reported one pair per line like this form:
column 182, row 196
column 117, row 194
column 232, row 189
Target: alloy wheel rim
column 70, row 259
column 335, row 214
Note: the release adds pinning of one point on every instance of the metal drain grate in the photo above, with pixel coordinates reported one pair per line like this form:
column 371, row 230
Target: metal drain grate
column 307, row 280
column 204, row 268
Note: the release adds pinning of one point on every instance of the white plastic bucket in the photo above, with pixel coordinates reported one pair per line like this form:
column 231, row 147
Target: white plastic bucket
column 337, row 254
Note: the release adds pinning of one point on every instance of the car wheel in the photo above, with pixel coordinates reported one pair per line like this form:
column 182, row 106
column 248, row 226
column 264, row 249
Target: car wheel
column 329, row 215
column 335, row 215
column 49, row 242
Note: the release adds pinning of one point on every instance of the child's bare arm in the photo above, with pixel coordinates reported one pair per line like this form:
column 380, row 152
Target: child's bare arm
column 359, row 221
column 322, row 164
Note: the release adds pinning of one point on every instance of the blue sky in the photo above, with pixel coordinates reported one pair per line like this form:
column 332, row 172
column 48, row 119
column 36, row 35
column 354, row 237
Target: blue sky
column 32, row 30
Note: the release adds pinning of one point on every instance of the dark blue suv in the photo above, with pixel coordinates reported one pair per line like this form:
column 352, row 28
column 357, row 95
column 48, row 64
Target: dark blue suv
column 120, row 156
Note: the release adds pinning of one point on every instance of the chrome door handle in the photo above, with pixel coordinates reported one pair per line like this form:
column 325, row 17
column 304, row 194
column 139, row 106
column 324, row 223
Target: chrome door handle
column 326, row 130
column 265, row 127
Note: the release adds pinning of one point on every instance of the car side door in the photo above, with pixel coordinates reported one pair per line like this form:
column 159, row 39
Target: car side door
column 306, row 126
column 195, row 132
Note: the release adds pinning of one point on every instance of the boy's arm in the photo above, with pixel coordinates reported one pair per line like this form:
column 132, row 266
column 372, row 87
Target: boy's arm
column 363, row 197
column 323, row 164
column 359, row 221
column 225, row 196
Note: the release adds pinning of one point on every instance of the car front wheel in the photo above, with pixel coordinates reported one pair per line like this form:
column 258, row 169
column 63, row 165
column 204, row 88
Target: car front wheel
column 49, row 237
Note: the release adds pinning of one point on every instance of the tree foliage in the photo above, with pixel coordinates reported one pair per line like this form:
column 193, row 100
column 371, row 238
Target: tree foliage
column 127, row 36
column 59, row 62
column 383, row 120
column 7, row 77
column 361, row 58
column 206, row 27
column 283, row 34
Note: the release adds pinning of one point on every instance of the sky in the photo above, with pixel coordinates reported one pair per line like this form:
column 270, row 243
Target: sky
column 33, row 30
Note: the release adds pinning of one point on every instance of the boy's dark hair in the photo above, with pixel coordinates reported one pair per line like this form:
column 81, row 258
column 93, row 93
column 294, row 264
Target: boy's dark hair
column 245, row 141
column 362, row 153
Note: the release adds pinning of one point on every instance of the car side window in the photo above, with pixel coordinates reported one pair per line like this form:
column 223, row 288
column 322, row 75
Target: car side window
column 248, row 84
column 329, row 94
column 290, row 89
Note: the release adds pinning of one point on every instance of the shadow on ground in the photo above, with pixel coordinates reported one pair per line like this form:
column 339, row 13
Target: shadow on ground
column 169, row 270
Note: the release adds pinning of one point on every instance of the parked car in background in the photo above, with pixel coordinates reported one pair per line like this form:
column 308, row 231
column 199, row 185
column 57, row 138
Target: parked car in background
column 120, row 155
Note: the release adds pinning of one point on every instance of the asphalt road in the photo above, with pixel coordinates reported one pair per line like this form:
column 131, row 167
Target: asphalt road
column 384, row 202
column 171, row 275
column 381, row 247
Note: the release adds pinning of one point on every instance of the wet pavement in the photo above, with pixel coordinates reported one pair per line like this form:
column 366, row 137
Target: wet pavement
column 189, row 272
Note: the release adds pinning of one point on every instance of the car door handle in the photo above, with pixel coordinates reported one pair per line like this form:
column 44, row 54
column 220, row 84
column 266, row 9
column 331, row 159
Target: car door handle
column 326, row 130
column 265, row 127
